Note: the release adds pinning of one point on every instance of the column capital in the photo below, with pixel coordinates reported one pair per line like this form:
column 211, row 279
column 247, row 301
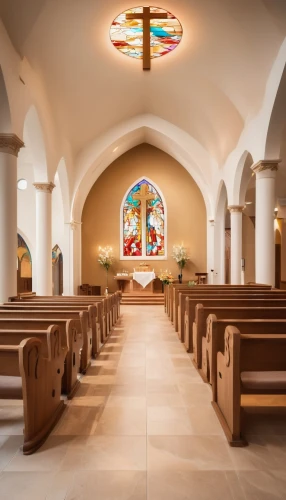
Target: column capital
column 11, row 144
column 262, row 165
column 73, row 224
column 45, row 187
column 235, row 208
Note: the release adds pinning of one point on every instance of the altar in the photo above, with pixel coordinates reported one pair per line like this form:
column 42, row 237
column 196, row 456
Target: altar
column 138, row 282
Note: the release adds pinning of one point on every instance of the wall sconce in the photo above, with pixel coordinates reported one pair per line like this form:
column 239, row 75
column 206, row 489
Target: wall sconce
column 275, row 212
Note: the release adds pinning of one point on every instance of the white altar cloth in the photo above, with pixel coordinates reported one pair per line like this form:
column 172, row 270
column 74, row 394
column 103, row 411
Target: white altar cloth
column 144, row 278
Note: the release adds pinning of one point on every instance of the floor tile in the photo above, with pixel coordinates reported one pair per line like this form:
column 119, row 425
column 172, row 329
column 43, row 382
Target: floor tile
column 108, row 485
column 106, row 453
column 188, row 453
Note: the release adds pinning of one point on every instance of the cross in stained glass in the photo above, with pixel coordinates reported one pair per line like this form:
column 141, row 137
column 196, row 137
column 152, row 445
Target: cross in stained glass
column 143, row 195
column 146, row 15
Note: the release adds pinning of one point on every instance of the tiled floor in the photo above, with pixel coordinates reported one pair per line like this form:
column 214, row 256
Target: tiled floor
column 141, row 426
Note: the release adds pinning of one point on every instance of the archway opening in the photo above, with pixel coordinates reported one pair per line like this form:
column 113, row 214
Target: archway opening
column 222, row 238
column 57, row 261
column 24, row 267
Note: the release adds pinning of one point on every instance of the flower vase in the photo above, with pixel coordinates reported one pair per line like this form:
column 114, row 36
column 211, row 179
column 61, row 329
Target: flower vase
column 106, row 288
column 180, row 276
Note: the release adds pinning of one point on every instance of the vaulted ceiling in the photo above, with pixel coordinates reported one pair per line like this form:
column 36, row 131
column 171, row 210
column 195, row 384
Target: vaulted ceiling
column 209, row 86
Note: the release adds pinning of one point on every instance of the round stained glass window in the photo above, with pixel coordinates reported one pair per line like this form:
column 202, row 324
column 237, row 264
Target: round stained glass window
column 146, row 29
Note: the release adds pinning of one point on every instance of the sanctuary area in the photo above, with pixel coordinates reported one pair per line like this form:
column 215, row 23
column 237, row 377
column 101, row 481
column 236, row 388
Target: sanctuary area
column 142, row 250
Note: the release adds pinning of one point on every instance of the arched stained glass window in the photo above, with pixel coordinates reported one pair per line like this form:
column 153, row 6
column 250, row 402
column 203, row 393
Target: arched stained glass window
column 143, row 222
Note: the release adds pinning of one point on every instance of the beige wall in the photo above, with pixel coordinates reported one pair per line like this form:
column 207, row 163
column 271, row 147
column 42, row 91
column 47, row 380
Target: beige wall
column 186, row 213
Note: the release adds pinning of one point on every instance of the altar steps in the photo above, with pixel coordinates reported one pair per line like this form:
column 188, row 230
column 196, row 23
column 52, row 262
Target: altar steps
column 143, row 299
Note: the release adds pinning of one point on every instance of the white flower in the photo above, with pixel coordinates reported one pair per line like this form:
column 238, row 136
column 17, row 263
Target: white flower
column 180, row 255
column 105, row 257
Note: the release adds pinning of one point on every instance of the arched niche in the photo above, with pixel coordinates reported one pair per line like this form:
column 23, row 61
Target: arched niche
column 57, row 262
column 24, row 266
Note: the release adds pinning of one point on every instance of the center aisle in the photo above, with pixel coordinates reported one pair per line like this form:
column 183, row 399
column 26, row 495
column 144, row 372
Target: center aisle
column 142, row 427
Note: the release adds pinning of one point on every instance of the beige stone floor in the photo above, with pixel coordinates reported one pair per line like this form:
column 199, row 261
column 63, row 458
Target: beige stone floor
column 141, row 426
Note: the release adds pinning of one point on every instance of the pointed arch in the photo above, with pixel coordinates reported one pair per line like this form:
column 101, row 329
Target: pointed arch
column 143, row 228
column 242, row 177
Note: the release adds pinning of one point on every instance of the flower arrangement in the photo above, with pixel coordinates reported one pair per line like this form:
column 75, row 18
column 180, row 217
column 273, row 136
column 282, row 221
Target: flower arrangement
column 166, row 277
column 191, row 283
column 105, row 259
column 180, row 255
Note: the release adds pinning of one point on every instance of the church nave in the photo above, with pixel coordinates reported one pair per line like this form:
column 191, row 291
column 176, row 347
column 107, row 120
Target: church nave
column 141, row 426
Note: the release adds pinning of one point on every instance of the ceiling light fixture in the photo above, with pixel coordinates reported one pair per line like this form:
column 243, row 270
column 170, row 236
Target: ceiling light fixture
column 115, row 149
column 22, row 184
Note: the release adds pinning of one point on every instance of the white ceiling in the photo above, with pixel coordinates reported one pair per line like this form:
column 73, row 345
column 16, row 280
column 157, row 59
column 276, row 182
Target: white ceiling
column 209, row 86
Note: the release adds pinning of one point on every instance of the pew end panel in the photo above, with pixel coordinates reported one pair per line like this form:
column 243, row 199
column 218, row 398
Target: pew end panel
column 226, row 388
column 249, row 364
column 41, row 385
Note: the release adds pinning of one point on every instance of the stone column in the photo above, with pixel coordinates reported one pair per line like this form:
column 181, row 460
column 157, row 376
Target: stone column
column 10, row 146
column 44, row 237
column 211, row 251
column 236, row 243
column 265, row 171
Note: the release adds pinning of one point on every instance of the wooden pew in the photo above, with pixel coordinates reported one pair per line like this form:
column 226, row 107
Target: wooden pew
column 247, row 364
column 213, row 290
column 179, row 302
column 81, row 319
column 26, row 372
column 67, row 328
column 113, row 300
column 99, row 305
column 214, row 341
column 225, row 301
column 203, row 312
column 199, row 288
column 110, row 309
column 179, row 297
column 93, row 320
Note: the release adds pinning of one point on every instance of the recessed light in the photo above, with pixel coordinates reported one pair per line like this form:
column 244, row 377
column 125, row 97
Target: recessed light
column 22, row 184
column 115, row 149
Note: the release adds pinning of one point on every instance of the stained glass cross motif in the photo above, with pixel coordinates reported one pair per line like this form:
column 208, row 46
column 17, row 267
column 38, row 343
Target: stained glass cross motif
column 146, row 15
column 143, row 222
column 146, row 33
column 143, row 195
